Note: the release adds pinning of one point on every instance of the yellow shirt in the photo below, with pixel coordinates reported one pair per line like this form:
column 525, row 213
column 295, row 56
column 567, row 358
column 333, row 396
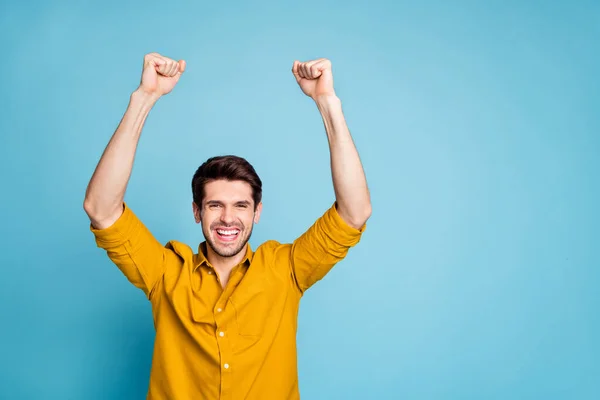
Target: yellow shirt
column 232, row 343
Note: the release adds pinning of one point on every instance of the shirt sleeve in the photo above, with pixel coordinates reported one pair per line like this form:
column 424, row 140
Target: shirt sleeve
column 322, row 246
column 133, row 248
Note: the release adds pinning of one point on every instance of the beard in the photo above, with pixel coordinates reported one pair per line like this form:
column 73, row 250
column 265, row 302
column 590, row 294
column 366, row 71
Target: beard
column 231, row 249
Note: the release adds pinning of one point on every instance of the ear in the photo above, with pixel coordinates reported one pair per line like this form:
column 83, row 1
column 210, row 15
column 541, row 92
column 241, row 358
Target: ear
column 196, row 210
column 257, row 213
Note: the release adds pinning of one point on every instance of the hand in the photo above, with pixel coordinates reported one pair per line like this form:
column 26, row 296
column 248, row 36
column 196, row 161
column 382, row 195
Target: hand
column 314, row 77
column 160, row 74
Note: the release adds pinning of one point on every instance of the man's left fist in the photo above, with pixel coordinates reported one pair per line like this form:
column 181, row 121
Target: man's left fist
column 314, row 77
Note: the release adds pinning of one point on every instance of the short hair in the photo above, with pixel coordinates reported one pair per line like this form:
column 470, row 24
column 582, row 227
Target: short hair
column 230, row 168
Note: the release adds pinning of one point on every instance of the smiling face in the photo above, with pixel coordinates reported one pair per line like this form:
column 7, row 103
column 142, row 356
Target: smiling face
column 227, row 215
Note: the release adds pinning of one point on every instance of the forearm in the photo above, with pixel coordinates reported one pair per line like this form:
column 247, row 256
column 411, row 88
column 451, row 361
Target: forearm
column 106, row 190
column 349, row 181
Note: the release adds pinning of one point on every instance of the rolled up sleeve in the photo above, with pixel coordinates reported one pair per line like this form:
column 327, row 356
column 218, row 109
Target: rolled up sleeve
column 133, row 249
column 322, row 246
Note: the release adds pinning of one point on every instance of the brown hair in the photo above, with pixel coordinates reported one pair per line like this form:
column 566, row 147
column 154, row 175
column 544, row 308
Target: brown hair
column 231, row 168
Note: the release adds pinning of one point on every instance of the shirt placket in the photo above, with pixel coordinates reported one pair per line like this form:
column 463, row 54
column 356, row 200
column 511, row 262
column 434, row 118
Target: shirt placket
column 223, row 316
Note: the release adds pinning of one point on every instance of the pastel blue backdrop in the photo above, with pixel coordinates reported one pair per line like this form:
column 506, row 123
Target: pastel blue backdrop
column 478, row 126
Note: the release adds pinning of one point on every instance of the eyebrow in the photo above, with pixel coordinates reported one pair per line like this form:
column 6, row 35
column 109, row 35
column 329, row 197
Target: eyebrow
column 245, row 202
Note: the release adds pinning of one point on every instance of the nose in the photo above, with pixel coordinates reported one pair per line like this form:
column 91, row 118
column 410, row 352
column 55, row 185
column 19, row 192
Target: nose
column 227, row 215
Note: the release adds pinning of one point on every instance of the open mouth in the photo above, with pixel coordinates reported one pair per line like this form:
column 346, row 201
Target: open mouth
column 227, row 235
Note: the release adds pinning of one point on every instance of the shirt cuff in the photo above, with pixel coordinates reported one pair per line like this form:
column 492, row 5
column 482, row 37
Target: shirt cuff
column 340, row 230
column 117, row 233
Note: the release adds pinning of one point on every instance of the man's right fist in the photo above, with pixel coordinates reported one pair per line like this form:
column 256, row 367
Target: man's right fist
column 160, row 74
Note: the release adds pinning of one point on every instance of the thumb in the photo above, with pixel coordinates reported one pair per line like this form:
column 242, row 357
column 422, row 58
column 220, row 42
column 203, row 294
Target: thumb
column 182, row 66
column 295, row 71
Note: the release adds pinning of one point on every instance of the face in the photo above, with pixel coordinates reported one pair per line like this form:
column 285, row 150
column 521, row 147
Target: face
column 227, row 215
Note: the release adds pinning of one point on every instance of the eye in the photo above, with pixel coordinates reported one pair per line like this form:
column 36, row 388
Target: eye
column 243, row 206
column 214, row 206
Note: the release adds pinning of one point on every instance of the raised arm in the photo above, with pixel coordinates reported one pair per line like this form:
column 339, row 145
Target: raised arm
column 128, row 243
column 105, row 193
column 330, row 237
column 350, row 185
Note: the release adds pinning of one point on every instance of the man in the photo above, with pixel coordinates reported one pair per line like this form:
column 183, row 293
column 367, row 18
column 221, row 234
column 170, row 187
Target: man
column 225, row 317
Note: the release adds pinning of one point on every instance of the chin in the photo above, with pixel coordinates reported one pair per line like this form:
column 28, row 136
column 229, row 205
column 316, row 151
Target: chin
column 227, row 250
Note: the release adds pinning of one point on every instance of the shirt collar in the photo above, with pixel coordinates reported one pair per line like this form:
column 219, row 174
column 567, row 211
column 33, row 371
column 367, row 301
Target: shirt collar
column 200, row 258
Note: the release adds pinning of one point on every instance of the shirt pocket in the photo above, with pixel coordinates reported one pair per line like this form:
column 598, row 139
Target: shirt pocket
column 251, row 307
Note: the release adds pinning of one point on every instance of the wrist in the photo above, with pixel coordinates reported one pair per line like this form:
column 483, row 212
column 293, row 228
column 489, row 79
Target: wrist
column 327, row 99
column 328, row 104
column 145, row 97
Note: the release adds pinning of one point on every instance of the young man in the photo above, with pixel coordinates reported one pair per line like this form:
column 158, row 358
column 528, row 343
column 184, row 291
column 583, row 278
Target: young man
column 225, row 317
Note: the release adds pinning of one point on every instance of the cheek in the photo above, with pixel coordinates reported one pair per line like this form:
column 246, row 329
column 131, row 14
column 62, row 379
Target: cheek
column 243, row 218
column 249, row 220
column 206, row 219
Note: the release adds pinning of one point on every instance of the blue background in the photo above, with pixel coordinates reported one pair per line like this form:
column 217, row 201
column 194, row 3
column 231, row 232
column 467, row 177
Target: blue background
column 478, row 126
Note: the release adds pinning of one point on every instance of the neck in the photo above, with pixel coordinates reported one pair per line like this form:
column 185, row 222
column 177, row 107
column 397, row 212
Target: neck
column 224, row 265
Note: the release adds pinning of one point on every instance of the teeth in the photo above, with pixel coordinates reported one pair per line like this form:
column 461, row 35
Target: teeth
column 221, row 232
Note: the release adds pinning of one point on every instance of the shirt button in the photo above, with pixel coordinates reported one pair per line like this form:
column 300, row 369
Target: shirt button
column 226, row 366
column 219, row 310
column 210, row 272
column 221, row 334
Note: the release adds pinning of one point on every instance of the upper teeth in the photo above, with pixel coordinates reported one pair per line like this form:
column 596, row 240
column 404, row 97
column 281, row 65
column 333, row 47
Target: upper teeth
column 222, row 232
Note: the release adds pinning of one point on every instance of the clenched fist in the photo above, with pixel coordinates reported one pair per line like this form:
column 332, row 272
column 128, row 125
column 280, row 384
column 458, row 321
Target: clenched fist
column 160, row 74
column 314, row 77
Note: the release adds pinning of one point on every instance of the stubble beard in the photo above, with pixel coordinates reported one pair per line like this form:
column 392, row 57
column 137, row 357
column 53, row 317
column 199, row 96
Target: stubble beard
column 227, row 251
